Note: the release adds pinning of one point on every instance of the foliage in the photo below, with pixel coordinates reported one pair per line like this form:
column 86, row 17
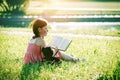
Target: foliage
column 13, row 6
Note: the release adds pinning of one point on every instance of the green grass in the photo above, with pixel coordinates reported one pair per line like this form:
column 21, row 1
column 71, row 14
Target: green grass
column 103, row 60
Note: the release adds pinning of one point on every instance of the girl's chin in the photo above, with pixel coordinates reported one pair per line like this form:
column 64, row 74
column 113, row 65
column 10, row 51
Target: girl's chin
column 45, row 34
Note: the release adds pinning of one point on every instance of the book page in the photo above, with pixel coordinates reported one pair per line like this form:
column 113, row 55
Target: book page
column 55, row 41
column 64, row 44
column 60, row 43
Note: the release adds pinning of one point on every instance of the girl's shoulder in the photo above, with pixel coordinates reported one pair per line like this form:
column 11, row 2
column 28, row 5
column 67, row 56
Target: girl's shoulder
column 38, row 41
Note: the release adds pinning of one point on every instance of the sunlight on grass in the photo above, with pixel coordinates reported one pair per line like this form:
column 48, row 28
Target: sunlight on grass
column 103, row 59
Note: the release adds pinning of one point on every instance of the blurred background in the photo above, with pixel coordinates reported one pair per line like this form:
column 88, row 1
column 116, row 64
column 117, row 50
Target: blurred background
column 67, row 14
column 92, row 25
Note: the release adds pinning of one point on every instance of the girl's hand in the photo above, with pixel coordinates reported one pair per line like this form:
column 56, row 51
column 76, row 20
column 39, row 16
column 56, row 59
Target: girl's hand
column 56, row 49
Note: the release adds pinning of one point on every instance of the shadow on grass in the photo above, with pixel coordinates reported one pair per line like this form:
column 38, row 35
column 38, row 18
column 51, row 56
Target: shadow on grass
column 30, row 71
column 114, row 76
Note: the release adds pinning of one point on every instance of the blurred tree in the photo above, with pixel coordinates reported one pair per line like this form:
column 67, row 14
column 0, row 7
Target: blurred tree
column 13, row 6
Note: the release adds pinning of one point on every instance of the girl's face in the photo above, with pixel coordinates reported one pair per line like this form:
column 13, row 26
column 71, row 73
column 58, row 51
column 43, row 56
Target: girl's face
column 43, row 31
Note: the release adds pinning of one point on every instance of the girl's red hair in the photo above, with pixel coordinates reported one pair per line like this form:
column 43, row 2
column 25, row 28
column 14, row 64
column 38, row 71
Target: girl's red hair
column 38, row 23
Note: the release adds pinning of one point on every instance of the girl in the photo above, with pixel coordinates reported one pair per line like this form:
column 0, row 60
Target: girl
column 34, row 51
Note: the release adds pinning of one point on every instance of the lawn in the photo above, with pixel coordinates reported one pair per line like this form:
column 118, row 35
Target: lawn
column 102, row 59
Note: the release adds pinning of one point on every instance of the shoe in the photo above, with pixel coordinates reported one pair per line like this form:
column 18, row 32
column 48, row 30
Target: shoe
column 83, row 59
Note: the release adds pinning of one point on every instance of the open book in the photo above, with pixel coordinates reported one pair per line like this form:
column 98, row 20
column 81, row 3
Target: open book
column 60, row 43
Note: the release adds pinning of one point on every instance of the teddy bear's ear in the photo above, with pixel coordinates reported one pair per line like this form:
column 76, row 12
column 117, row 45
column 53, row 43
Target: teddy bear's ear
column 49, row 48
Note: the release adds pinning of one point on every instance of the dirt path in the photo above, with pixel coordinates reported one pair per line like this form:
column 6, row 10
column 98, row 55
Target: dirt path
column 89, row 36
column 65, row 35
